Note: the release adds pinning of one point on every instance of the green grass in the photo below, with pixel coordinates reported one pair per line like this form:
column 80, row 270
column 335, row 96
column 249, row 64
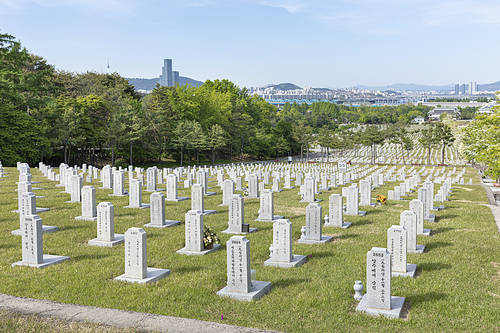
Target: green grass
column 458, row 287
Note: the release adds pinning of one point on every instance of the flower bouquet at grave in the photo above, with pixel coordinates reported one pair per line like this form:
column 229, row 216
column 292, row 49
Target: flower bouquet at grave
column 210, row 238
column 381, row 199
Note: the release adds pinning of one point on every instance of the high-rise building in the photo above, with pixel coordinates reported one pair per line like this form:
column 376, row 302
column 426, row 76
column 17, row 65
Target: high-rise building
column 463, row 89
column 166, row 77
column 457, row 89
column 472, row 88
column 176, row 78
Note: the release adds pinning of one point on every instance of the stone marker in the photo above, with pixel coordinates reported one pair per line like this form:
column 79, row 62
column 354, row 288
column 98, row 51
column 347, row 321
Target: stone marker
column 424, row 197
column 28, row 207
column 408, row 220
column 253, row 186
column 157, row 212
column 135, row 195
column 236, row 223
column 417, row 207
column 172, row 189
column 106, row 236
column 336, row 212
column 198, row 200
column 194, row 232
column 76, row 188
column 365, row 187
column 378, row 300
column 227, row 192
column 239, row 284
column 32, row 245
column 266, row 210
column 311, row 233
column 281, row 250
column 396, row 244
column 136, row 268
column 119, row 184
column 89, row 211
column 352, row 202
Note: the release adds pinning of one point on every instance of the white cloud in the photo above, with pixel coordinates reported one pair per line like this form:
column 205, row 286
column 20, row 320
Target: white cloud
column 290, row 6
column 101, row 5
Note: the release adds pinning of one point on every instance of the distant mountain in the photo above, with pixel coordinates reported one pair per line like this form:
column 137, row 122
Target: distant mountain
column 283, row 86
column 150, row 84
column 495, row 86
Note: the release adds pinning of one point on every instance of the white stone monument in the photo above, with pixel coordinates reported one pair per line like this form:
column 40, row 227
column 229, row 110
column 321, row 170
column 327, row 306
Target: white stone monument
column 106, row 236
column 157, row 212
column 194, row 232
column 281, row 250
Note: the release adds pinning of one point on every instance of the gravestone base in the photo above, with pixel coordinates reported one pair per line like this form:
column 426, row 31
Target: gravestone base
column 297, row 260
column 166, row 224
column 155, row 190
column 40, row 196
column 252, row 197
column 142, row 206
column 411, row 269
column 394, row 313
column 325, row 189
column 119, row 238
column 48, row 260
column 361, row 213
column 85, row 218
column 105, row 188
column 177, row 199
column 227, row 231
column 324, row 239
column 431, row 218
column 259, row 289
column 153, row 275
column 345, row 225
column 438, row 208
column 420, row 249
column 72, row 201
column 45, row 229
column 275, row 217
column 278, row 191
column 208, row 212
column 196, row 253
column 119, row 195
column 427, row 232
column 289, row 188
column 209, row 194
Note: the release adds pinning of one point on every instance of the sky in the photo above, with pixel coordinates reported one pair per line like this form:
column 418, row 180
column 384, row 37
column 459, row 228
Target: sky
column 315, row 43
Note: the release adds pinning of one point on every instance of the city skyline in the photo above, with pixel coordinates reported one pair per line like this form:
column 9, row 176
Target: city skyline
column 254, row 43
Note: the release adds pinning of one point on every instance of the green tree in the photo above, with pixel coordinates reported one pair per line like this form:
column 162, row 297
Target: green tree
column 444, row 136
column 217, row 139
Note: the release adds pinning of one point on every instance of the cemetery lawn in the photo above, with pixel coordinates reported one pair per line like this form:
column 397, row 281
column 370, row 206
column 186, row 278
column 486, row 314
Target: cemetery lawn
column 457, row 288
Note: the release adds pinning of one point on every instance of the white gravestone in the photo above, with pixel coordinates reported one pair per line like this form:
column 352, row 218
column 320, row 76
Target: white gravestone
column 408, row 220
column 312, row 232
column 28, row 207
column 365, row 188
column 236, row 223
column 194, row 232
column 227, row 192
column 253, row 186
column 119, row 184
column 396, row 244
column 32, row 245
column 157, row 212
column 89, row 210
column 172, row 189
column 378, row 300
column 239, row 284
column 417, row 207
column 198, row 200
column 76, row 188
column 151, row 179
column 266, row 209
column 352, row 202
column 281, row 250
column 135, row 194
column 136, row 268
column 336, row 212
column 106, row 236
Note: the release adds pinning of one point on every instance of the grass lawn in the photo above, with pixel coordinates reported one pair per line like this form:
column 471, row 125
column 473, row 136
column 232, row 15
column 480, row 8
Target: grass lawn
column 457, row 288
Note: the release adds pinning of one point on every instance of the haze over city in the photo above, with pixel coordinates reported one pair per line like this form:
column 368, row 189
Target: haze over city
column 256, row 42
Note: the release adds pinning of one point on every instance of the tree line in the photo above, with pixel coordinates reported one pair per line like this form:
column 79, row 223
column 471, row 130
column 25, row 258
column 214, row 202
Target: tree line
column 56, row 116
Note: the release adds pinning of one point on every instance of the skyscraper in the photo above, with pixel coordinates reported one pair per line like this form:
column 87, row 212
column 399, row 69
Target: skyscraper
column 166, row 77
column 176, row 78
column 457, row 89
column 472, row 88
column 463, row 89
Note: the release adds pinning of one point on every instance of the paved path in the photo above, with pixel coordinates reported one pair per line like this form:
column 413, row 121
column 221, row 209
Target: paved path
column 113, row 317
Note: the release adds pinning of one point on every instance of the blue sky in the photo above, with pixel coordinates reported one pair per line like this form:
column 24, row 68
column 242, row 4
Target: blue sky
column 337, row 43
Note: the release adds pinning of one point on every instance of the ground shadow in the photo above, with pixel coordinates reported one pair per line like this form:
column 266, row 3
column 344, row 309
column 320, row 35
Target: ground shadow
column 431, row 296
column 319, row 255
column 432, row 266
column 347, row 236
column 440, row 230
column 88, row 257
column 447, row 216
column 74, row 226
column 436, row 245
column 361, row 223
column 189, row 269
column 283, row 283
